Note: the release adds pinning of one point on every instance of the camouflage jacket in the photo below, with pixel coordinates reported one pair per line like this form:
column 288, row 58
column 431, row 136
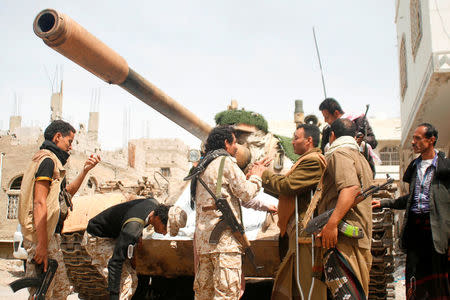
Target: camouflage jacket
column 235, row 188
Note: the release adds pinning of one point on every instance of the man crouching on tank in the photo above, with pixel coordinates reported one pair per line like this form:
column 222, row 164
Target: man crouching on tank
column 112, row 235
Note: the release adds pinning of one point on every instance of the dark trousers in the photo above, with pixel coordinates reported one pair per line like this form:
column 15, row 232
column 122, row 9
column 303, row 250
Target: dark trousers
column 426, row 270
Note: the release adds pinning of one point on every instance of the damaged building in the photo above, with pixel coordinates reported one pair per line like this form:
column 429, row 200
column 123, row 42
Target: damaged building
column 147, row 167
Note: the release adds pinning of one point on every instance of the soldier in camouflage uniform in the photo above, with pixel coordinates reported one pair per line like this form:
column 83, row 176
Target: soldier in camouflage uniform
column 44, row 202
column 219, row 266
column 111, row 236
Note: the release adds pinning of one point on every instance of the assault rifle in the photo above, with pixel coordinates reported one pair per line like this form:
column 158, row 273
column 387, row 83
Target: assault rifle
column 228, row 220
column 316, row 224
column 41, row 282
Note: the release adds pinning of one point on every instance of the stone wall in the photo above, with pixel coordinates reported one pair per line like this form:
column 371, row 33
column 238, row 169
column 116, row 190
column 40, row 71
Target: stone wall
column 162, row 162
column 16, row 156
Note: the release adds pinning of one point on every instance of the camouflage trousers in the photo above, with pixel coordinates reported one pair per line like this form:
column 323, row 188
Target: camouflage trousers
column 60, row 286
column 101, row 251
column 218, row 276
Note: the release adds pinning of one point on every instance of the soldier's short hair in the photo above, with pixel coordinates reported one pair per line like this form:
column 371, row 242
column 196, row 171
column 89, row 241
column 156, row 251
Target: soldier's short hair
column 58, row 126
column 162, row 211
column 311, row 131
column 217, row 137
column 430, row 131
column 331, row 105
column 343, row 127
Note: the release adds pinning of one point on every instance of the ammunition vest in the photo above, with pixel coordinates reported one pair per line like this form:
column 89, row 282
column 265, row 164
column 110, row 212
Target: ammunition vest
column 26, row 214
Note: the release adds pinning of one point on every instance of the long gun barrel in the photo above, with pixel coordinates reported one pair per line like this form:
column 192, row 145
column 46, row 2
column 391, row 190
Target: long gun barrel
column 67, row 37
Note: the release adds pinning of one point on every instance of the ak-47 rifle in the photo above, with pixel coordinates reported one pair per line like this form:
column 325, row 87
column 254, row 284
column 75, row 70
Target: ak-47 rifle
column 316, row 224
column 228, row 220
column 41, row 282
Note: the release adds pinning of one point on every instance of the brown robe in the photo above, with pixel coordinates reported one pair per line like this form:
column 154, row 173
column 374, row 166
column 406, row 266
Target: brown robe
column 296, row 184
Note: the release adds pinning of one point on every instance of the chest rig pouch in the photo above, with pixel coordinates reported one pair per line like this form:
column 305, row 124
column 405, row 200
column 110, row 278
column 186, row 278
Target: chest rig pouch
column 65, row 203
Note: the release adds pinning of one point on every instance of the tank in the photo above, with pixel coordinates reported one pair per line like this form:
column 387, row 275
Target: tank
column 169, row 258
column 174, row 258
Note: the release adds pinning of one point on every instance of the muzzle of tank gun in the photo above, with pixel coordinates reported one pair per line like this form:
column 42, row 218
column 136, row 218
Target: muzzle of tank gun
column 311, row 119
column 64, row 35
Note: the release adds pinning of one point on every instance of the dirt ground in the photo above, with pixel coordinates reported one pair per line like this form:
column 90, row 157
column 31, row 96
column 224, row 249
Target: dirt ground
column 11, row 269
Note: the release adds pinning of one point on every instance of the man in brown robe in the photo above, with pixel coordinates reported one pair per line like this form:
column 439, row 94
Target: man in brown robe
column 348, row 260
column 297, row 185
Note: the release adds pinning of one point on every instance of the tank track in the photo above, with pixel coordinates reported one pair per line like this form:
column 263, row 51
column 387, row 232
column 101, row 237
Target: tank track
column 381, row 285
column 89, row 284
column 84, row 277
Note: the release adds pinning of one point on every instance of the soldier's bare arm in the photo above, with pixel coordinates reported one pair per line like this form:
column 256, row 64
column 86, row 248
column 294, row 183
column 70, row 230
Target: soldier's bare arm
column 90, row 163
column 41, row 190
column 346, row 199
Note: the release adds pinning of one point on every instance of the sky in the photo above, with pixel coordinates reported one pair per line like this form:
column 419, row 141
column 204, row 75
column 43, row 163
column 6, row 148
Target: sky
column 203, row 54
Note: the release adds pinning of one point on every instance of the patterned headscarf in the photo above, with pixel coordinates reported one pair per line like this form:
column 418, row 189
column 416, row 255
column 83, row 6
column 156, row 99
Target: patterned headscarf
column 177, row 219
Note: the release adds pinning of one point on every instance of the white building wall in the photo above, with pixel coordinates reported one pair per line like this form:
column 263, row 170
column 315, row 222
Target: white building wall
column 435, row 39
column 439, row 16
column 427, row 94
column 416, row 68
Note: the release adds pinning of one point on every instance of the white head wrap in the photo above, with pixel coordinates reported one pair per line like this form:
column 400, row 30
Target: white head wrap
column 177, row 219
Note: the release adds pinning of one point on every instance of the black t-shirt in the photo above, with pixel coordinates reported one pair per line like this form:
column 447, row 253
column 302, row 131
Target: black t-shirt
column 110, row 224
column 45, row 171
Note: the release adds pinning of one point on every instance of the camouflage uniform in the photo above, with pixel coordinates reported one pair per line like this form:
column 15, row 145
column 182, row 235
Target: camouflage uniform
column 101, row 251
column 60, row 286
column 222, row 262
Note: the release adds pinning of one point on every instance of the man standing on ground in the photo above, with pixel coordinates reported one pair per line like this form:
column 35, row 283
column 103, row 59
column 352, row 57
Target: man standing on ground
column 331, row 111
column 111, row 236
column 44, row 202
column 425, row 231
column 297, row 185
column 219, row 269
column 348, row 260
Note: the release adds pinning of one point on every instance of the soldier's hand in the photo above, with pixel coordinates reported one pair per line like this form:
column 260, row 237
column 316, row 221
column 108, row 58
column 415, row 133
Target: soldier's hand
column 41, row 255
column 256, row 170
column 273, row 209
column 91, row 162
column 264, row 162
column 376, row 203
column 329, row 235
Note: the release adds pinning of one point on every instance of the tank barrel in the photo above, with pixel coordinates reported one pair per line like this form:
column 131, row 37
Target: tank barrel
column 70, row 39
